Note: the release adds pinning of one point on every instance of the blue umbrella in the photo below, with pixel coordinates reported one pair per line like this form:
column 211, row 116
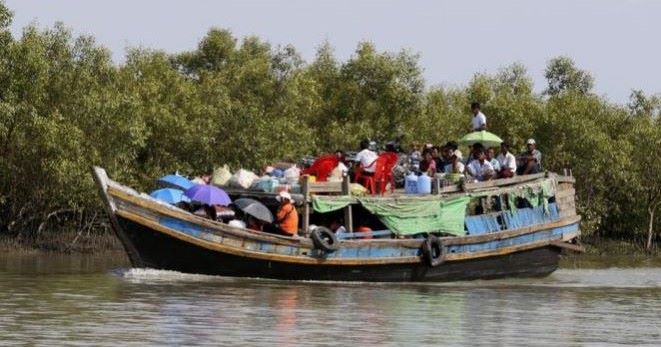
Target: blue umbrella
column 169, row 195
column 208, row 194
column 176, row 182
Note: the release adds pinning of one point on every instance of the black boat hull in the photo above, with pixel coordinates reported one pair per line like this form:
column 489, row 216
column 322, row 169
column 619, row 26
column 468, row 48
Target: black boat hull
column 161, row 251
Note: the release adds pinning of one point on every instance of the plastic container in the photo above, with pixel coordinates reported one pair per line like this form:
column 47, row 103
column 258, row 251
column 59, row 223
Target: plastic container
column 424, row 184
column 411, row 184
column 311, row 178
column 265, row 184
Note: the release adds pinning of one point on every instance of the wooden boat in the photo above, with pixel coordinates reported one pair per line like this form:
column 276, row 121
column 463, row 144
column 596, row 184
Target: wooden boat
column 157, row 235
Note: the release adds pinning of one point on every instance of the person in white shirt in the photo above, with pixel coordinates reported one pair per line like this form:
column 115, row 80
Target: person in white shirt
column 491, row 158
column 480, row 168
column 507, row 161
column 455, row 166
column 366, row 158
column 479, row 119
column 337, row 227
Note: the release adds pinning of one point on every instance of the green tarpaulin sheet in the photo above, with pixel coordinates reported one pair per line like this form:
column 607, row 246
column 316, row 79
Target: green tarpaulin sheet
column 323, row 205
column 407, row 215
column 536, row 193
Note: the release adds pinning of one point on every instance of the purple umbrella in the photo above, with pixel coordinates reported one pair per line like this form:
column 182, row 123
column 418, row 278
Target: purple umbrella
column 208, row 194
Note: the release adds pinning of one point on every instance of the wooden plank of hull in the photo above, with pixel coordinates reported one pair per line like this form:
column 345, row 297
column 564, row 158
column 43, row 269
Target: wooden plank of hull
column 188, row 217
column 491, row 184
column 239, row 250
column 101, row 179
column 148, row 217
column 237, row 247
column 162, row 251
column 462, row 240
column 142, row 217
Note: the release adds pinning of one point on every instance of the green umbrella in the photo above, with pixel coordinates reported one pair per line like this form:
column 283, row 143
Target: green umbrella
column 484, row 137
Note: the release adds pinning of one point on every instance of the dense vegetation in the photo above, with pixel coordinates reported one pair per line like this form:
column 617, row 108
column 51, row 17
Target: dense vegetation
column 64, row 105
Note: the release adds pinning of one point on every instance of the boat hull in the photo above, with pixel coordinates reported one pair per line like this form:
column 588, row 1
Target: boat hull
column 161, row 251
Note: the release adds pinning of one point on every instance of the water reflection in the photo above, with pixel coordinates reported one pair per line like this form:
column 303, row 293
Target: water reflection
column 90, row 302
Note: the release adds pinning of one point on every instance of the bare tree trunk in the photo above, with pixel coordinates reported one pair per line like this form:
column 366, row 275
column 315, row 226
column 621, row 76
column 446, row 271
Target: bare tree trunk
column 650, row 231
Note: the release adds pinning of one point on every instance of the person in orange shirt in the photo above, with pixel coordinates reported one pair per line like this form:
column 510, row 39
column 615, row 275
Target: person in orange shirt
column 287, row 216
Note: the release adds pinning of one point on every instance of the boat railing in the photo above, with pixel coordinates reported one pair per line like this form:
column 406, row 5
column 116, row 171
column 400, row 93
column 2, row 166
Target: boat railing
column 364, row 234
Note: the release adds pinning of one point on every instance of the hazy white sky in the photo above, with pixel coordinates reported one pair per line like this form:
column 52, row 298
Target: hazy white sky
column 616, row 40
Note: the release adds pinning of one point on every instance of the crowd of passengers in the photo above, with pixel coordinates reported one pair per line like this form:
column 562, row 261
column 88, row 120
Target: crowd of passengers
column 481, row 163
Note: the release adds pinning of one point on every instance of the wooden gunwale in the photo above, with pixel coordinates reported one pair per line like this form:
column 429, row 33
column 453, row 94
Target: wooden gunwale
column 307, row 243
column 491, row 183
column 332, row 261
column 255, row 235
column 501, row 189
column 501, row 235
column 500, row 251
column 101, row 178
column 215, row 246
column 188, row 217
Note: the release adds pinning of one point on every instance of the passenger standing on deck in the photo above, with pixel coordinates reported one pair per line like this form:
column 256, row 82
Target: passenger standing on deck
column 479, row 119
column 287, row 216
column 365, row 158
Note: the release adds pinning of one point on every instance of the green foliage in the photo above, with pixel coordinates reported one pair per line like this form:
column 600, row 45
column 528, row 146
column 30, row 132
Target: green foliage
column 562, row 75
column 65, row 106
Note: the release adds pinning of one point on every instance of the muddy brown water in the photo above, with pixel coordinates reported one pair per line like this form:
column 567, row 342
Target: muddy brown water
column 48, row 300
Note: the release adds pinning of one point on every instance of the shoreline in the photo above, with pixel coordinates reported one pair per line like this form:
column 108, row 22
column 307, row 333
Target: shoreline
column 63, row 242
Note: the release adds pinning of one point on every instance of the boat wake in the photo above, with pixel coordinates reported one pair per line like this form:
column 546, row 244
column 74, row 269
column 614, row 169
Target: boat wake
column 624, row 278
column 146, row 275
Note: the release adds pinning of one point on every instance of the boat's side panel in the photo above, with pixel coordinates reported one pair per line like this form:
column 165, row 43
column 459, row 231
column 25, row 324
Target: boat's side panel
column 101, row 178
column 566, row 199
column 162, row 251
column 365, row 251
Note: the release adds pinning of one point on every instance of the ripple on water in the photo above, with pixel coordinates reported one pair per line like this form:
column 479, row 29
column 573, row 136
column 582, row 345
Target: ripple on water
column 154, row 307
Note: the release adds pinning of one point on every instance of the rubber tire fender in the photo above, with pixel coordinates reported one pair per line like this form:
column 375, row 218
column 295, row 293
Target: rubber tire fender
column 432, row 251
column 323, row 238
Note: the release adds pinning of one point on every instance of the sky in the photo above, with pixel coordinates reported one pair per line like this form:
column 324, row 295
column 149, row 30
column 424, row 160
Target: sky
column 616, row 40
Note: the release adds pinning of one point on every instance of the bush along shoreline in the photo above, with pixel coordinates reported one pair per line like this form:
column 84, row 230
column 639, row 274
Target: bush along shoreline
column 64, row 105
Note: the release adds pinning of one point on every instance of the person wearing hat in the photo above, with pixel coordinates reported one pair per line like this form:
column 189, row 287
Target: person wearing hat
column 531, row 160
column 287, row 216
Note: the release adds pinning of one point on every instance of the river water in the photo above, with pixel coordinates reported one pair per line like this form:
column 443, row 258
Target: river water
column 48, row 300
